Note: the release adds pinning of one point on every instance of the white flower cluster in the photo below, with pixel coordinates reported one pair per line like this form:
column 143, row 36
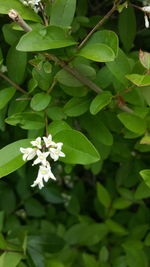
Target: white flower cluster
column 34, row 4
column 146, row 10
column 53, row 150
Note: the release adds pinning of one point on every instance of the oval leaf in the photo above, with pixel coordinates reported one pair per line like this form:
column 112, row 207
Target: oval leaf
column 44, row 38
column 77, row 106
column 139, row 80
column 97, row 52
column 5, row 95
column 40, row 101
column 133, row 123
column 11, row 157
column 100, row 101
column 77, row 148
column 146, row 176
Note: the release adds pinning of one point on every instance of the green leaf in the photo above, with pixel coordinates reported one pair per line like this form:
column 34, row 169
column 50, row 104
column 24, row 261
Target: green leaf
column 62, row 12
column 68, row 79
column 139, row 80
column 142, row 191
column 97, row 52
column 121, row 203
column 11, row 157
column 77, row 106
column 57, row 126
column 97, row 129
column 86, row 234
column 116, row 227
column 16, row 64
column 145, row 59
column 127, row 27
column 43, row 38
column 89, row 260
column 146, row 176
column 120, row 67
column 5, row 96
column 77, row 148
column 103, row 196
column 40, row 101
column 100, row 101
column 26, row 120
column 25, row 12
column 10, row 259
column 132, row 122
column 34, row 208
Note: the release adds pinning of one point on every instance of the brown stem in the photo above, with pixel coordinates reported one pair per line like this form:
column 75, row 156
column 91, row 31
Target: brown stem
column 12, row 83
column 11, row 250
column 43, row 14
column 126, row 109
column 100, row 23
column 52, row 86
column 14, row 15
column 138, row 7
column 75, row 73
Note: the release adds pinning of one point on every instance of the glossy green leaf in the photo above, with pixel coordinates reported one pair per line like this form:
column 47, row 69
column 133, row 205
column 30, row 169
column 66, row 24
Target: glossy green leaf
column 145, row 59
column 5, row 96
column 62, row 12
column 57, row 126
column 25, row 12
column 97, row 52
column 100, row 101
column 127, row 27
column 132, row 122
column 26, row 120
column 40, row 101
column 116, row 227
column 103, row 195
column 77, row 148
column 43, row 38
column 139, row 80
column 77, row 106
column 146, row 176
column 10, row 259
column 11, row 157
column 17, row 73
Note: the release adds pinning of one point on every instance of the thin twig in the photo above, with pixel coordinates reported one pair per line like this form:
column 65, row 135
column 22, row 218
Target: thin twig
column 12, row 83
column 14, row 15
column 52, row 86
column 84, row 80
column 126, row 109
column 100, row 23
column 43, row 14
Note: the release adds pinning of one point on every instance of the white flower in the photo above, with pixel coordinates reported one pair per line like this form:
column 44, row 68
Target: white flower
column 29, row 153
column 48, row 141
column 146, row 9
column 37, row 142
column 55, row 153
column 43, row 173
column 146, row 21
column 41, row 158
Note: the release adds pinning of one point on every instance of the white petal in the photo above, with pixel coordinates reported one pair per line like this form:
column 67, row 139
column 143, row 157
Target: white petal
column 146, row 21
column 146, row 8
column 24, row 157
column 61, row 154
column 37, row 161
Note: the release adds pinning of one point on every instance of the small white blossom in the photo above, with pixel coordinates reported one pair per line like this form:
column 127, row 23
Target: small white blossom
column 41, row 158
column 37, row 142
column 48, row 141
column 55, row 153
column 29, row 153
column 45, row 174
column 146, row 21
column 146, row 9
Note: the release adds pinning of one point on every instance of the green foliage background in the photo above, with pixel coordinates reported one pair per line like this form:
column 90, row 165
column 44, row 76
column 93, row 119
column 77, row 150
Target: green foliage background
column 94, row 98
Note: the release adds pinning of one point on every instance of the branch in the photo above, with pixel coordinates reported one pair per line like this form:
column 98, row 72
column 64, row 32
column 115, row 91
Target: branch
column 100, row 23
column 75, row 73
column 14, row 15
column 13, row 83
